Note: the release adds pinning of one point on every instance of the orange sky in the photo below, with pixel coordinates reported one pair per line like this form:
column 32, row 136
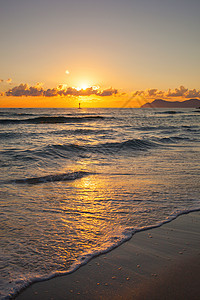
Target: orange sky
column 130, row 46
column 70, row 102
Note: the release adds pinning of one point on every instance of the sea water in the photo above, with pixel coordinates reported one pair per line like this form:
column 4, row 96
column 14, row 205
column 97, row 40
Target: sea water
column 78, row 182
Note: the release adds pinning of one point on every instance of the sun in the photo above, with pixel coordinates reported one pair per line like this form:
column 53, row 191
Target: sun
column 82, row 86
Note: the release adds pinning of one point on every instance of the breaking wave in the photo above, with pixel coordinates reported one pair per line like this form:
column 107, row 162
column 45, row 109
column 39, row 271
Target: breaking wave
column 109, row 147
column 52, row 178
column 51, row 120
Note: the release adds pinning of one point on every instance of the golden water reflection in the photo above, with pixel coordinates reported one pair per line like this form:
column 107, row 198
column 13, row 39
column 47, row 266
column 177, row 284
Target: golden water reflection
column 91, row 215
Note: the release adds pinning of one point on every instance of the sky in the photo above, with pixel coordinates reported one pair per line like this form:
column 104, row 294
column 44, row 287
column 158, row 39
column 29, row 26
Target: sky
column 57, row 53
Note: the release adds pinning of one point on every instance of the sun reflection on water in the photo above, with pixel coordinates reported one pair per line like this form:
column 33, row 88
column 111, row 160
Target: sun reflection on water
column 94, row 223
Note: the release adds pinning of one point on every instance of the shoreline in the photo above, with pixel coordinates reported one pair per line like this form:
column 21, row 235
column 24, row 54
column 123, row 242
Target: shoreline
column 162, row 262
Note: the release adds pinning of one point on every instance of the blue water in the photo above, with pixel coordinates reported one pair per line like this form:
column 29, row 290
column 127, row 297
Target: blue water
column 75, row 183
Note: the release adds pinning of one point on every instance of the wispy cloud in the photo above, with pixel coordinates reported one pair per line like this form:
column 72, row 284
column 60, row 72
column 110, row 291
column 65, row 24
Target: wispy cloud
column 177, row 92
column 9, row 80
column 61, row 90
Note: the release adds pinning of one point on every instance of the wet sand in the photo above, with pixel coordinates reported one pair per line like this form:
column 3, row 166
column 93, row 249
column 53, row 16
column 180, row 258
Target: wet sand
column 160, row 263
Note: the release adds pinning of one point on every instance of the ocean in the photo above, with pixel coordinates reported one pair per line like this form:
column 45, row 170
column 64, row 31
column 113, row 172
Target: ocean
column 79, row 182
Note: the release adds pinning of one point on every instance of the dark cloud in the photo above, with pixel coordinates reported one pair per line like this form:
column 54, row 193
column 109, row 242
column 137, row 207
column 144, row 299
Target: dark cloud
column 50, row 92
column 149, row 93
column 25, row 90
column 152, row 92
column 183, row 92
column 192, row 94
column 108, row 92
column 177, row 92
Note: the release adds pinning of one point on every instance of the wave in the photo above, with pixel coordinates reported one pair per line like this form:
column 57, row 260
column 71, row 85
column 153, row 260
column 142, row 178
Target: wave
column 9, row 135
column 169, row 112
column 51, row 120
column 67, row 151
column 52, row 178
column 81, row 131
column 14, row 114
column 136, row 145
column 70, row 150
column 104, row 148
column 153, row 128
column 170, row 128
column 173, row 139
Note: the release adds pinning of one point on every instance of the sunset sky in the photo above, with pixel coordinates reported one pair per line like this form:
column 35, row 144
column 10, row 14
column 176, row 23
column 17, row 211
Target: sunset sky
column 56, row 53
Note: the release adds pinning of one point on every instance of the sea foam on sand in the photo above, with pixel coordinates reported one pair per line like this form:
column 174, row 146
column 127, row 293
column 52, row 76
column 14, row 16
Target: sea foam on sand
column 160, row 263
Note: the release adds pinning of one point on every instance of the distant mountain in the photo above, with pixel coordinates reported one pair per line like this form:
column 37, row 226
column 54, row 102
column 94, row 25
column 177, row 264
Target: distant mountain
column 159, row 103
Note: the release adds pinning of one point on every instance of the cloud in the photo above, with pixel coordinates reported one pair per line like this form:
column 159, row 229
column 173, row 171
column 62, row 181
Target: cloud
column 9, row 80
column 177, row 92
column 61, row 90
column 149, row 93
column 24, row 90
column 50, row 92
column 183, row 92
column 108, row 92
column 192, row 94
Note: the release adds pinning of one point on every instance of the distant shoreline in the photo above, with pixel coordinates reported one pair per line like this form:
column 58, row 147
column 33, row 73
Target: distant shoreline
column 159, row 103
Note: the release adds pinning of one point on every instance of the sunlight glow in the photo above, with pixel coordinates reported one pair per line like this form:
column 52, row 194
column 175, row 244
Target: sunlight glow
column 83, row 86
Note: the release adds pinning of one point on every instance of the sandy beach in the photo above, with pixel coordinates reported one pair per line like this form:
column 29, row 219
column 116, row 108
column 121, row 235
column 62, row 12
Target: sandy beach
column 160, row 263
